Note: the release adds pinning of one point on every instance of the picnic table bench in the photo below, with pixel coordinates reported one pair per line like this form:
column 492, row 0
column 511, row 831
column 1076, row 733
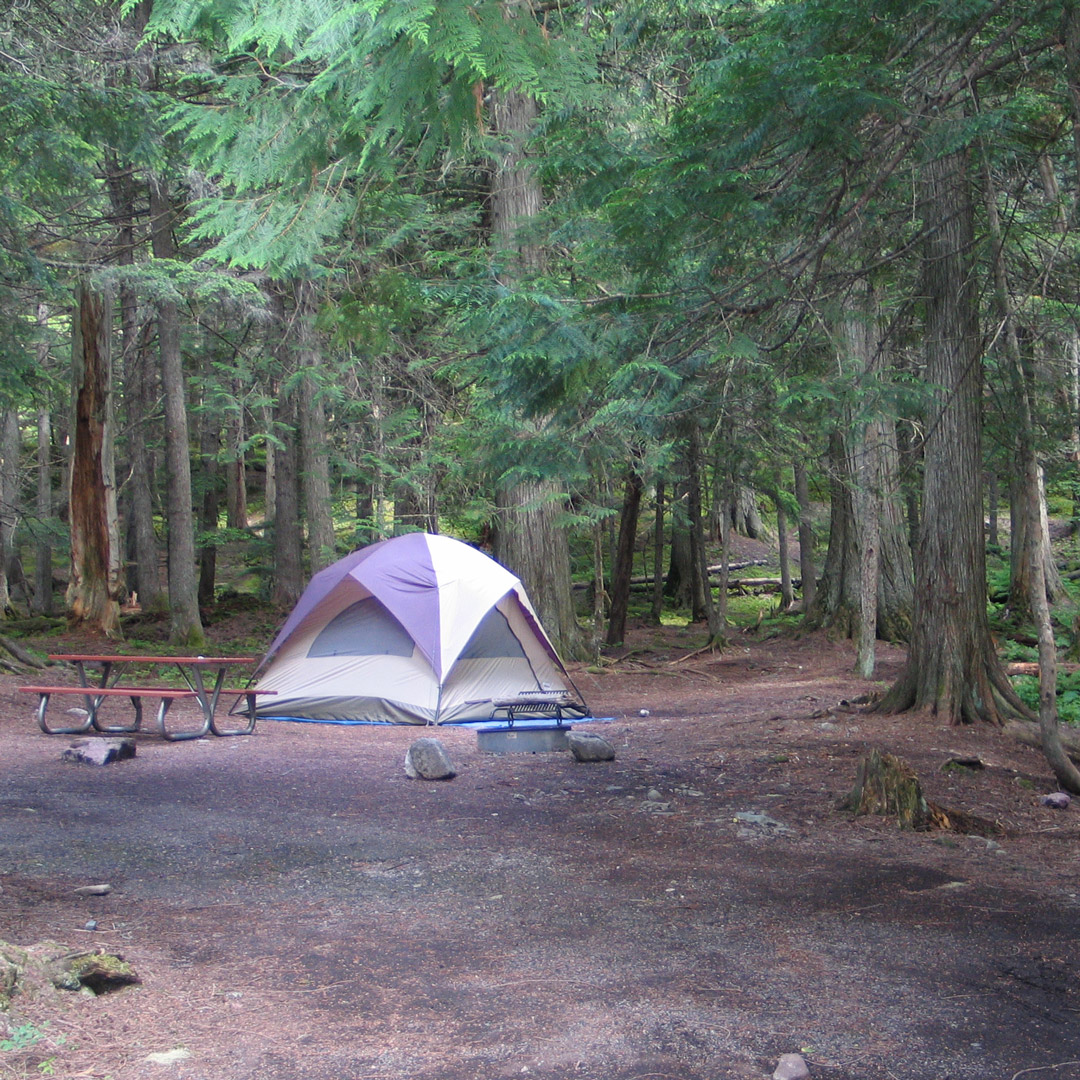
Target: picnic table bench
column 555, row 707
column 95, row 693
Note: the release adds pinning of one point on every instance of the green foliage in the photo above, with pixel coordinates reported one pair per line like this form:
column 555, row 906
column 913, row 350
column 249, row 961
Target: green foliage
column 23, row 1037
column 322, row 97
column 1068, row 695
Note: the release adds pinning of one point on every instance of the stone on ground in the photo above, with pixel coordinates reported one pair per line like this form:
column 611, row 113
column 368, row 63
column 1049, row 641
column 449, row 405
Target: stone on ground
column 791, row 1067
column 99, row 751
column 427, row 759
column 589, row 747
column 1056, row 800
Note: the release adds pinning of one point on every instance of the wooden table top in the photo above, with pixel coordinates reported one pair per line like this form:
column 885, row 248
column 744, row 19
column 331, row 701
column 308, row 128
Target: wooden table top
column 131, row 658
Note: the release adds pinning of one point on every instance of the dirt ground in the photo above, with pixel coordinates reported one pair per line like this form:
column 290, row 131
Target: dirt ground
column 297, row 907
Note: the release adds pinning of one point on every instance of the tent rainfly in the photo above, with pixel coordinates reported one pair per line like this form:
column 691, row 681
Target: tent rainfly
column 418, row 629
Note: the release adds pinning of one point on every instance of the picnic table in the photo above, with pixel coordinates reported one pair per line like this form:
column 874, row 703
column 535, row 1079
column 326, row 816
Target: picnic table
column 204, row 677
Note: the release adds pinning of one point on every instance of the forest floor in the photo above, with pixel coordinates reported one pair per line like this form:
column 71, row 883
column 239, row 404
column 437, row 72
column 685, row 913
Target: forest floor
column 296, row 907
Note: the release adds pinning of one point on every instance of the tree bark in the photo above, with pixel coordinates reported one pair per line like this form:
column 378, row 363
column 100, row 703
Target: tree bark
column 807, row 563
column 140, row 397
column 529, row 542
column 699, row 560
column 95, row 585
column 658, row 555
column 10, row 448
column 185, row 623
column 1021, row 550
column 619, row 594
column 43, row 555
column 529, row 539
column 787, row 593
column 288, row 542
column 209, row 504
column 862, row 451
column 140, row 385
column 236, row 508
column 314, row 442
column 1036, row 535
column 952, row 668
column 42, row 602
column 677, row 583
column 599, row 592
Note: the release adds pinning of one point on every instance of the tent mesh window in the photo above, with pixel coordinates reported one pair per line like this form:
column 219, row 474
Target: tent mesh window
column 493, row 638
column 366, row 628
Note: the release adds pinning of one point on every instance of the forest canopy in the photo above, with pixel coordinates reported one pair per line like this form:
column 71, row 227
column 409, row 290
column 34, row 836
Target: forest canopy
column 588, row 284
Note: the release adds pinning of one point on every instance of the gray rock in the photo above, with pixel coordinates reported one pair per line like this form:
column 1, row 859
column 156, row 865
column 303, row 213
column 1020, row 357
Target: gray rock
column 427, row 759
column 99, row 751
column 589, row 747
column 1057, row 800
column 791, row 1067
column 761, row 821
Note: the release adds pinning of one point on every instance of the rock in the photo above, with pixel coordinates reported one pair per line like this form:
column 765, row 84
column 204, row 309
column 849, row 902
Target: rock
column 99, row 751
column 101, row 972
column 1057, row 800
column 427, row 759
column 589, row 748
column 791, row 1067
column 169, row 1057
column 761, row 821
column 93, row 890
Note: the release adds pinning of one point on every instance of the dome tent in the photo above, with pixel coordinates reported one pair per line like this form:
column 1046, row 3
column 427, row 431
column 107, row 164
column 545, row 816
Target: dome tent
column 418, row 629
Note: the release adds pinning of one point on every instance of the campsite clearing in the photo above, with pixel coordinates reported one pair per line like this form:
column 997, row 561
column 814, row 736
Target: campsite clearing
column 298, row 909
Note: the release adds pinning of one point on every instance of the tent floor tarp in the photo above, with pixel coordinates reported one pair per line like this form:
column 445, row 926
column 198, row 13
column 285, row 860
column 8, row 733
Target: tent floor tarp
column 472, row 725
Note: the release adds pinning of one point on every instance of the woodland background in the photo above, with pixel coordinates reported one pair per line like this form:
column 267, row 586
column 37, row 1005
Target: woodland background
column 591, row 285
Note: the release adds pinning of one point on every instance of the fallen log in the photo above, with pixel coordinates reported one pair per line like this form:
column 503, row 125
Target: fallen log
column 20, row 653
column 1028, row 733
column 1022, row 667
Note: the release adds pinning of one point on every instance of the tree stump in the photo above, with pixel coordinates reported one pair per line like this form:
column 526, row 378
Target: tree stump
column 887, row 785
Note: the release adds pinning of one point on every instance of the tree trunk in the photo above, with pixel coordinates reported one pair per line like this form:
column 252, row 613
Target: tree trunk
column 862, row 454
column 270, row 465
column 42, row 602
column 699, row 560
column 210, row 504
column 952, row 667
column 1021, row 549
column 866, row 587
column 599, row 592
column 529, row 539
column 185, row 622
column 10, row 500
column 807, row 563
column 236, row 509
column 95, row 585
column 529, row 542
column 677, row 583
column 787, row 593
column 516, row 196
column 992, row 508
column 658, row 555
column 288, row 542
column 140, row 399
column 43, row 556
column 1036, row 534
column 314, row 443
column 624, row 558
column 141, row 546
column 745, row 516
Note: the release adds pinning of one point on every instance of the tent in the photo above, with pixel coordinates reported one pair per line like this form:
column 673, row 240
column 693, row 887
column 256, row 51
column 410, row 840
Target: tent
column 418, row 629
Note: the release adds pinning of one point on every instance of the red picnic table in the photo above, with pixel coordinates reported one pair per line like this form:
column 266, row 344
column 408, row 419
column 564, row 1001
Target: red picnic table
column 204, row 676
